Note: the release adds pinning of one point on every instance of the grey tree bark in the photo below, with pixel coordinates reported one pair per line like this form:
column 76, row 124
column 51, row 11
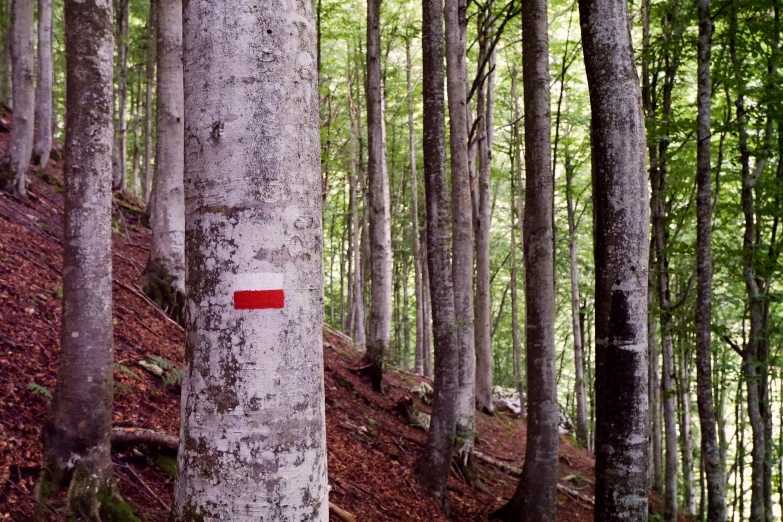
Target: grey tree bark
column 455, row 12
column 5, row 53
column 253, row 440
column 120, row 154
column 165, row 272
column 149, row 73
column 622, row 249
column 519, row 376
column 436, row 460
column 13, row 171
column 483, row 288
column 77, row 454
column 43, row 88
column 535, row 497
column 358, row 278
column 379, row 327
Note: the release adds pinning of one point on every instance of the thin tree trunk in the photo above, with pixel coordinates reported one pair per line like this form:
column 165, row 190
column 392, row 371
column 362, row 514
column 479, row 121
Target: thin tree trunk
column 455, row 12
column 149, row 71
column 427, row 341
column 43, row 88
column 515, row 341
column 13, row 173
column 689, row 499
column 654, row 385
column 419, row 360
column 358, row 277
column 379, row 205
column 5, row 53
column 120, row 158
column 622, row 249
column 165, row 272
column 435, row 463
column 751, row 350
column 136, row 118
column 483, row 337
column 579, row 385
column 77, row 453
column 253, row 239
column 519, row 376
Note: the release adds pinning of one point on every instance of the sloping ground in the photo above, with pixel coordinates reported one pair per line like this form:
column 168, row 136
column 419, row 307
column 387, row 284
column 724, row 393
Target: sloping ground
column 372, row 452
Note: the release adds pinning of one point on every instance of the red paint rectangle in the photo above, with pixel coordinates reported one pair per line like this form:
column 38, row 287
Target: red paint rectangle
column 258, row 299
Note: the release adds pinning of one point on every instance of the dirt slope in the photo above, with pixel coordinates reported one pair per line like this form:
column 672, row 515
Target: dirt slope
column 372, row 451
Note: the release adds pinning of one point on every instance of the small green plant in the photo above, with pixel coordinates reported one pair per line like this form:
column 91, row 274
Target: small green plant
column 121, row 388
column 57, row 293
column 40, row 390
column 171, row 374
column 127, row 371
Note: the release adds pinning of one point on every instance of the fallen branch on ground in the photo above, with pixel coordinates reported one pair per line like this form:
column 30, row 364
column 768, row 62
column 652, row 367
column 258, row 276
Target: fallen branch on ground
column 516, row 472
column 132, row 436
column 340, row 513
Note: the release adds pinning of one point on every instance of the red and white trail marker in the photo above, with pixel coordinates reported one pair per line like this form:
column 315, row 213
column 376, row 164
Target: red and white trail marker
column 258, row 291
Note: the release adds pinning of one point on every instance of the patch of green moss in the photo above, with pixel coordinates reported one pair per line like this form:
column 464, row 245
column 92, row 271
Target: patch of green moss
column 167, row 464
column 115, row 509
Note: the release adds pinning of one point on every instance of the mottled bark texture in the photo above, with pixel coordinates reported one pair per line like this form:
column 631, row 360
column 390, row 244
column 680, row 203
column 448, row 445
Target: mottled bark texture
column 621, row 257
column 253, row 440
column 165, row 274
column 379, row 327
column 43, row 88
column 534, row 499
column 455, row 12
column 20, row 145
column 436, row 461
column 77, row 454
column 5, row 53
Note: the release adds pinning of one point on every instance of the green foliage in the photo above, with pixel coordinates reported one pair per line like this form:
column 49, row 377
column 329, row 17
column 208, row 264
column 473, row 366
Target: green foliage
column 39, row 390
column 171, row 374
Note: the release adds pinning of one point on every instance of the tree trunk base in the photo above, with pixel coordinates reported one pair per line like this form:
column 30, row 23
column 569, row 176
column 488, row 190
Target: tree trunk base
column 157, row 285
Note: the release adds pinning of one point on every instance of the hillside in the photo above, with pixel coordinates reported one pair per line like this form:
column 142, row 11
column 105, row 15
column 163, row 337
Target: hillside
column 372, row 451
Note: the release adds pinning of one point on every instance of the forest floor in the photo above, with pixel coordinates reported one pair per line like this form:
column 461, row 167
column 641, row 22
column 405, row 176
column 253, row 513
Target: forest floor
column 372, row 451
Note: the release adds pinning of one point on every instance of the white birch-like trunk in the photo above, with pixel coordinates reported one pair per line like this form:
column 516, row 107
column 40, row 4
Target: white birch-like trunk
column 77, row 454
column 43, row 88
column 167, row 218
column 253, row 437
column 20, row 144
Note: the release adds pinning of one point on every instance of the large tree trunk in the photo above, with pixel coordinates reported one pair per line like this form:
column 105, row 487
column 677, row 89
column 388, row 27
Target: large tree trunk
column 77, row 453
column 483, row 286
column 621, row 250
column 20, row 145
column 455, row 12
column 43, row 88
column 419, row 354
column 581, row 394
column 149, row 72
column 165, row 273
column 534, row 499
column 253, row 437
column 120, row 155
column 436, row 461
column 379, row 328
